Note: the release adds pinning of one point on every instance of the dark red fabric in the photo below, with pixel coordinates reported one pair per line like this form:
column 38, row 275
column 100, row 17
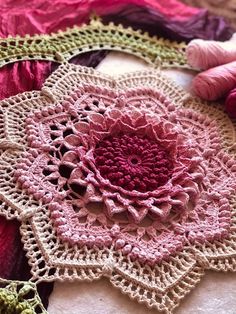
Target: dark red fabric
column 13, row 262
column 10, row 247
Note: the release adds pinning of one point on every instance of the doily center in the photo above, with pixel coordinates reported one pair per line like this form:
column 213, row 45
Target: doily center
column 133, row 162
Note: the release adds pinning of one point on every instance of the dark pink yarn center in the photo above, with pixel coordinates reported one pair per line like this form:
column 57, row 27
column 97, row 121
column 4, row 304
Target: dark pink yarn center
column 133, row 162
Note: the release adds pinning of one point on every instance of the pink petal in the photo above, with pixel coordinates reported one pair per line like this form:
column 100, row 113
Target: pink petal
column 73, row 140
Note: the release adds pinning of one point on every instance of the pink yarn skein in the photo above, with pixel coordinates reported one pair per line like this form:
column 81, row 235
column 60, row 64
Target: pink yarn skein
column 230, row 103
column 215, row 83
column 205, row 54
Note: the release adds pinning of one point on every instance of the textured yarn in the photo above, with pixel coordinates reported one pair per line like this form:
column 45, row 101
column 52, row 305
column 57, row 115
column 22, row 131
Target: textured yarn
column 205, row 54
column 19, row 298
column 216, row 82
column 147, row 162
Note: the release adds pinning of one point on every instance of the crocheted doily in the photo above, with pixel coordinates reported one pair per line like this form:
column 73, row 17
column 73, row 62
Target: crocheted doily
column 65, row 45
column 19, row 298
column 129, row 178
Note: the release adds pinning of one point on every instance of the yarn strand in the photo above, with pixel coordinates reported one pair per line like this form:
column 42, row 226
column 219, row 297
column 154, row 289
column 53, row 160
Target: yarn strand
column 215, row 83
column 205, row 54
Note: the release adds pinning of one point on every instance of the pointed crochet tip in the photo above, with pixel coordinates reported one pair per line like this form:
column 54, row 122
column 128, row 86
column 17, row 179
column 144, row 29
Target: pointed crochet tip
column 95, row 20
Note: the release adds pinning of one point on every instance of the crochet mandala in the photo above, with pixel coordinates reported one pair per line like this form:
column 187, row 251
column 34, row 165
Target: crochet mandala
column 19, row 298
column 129, row 178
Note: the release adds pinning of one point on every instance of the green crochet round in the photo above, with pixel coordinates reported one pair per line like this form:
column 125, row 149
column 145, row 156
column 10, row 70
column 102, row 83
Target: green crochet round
column 62, row 46
column 19, row 298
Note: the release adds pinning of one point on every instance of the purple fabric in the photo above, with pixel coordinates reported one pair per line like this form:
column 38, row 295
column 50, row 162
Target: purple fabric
column 201, row 25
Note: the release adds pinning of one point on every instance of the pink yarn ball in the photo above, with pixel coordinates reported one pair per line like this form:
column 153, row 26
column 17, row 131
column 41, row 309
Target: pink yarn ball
column 230, row 103
column 205, row 54
column 215, row 83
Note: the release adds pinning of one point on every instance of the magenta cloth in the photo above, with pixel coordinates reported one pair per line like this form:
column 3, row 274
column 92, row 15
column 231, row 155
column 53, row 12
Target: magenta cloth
column 230, row 103
column 23, row 76
column 46, row 16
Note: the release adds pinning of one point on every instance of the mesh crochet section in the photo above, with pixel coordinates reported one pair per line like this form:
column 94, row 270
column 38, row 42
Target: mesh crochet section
column 19, row 298
column 63, row 46
column 79, row 222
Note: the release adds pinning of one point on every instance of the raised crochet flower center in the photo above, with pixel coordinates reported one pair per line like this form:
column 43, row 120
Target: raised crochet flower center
column 133, row 162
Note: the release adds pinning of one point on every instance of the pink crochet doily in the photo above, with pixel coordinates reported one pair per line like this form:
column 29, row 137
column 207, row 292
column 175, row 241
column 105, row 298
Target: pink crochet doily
column 128, row 177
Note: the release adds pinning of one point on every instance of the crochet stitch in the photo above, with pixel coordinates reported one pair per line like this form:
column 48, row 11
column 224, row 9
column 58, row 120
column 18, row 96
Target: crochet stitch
column 94, row 36
column 129, row 177
column 146, row 161
column 19, row 298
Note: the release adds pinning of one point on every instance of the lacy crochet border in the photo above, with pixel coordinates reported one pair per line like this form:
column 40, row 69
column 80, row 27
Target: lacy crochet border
column 62, row 46
column 19, row 298
column 51, row 257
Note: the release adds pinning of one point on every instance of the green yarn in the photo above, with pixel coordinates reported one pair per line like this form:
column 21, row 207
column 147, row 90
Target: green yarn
column 19, row 298
column 62, row 46
column 11, row 304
